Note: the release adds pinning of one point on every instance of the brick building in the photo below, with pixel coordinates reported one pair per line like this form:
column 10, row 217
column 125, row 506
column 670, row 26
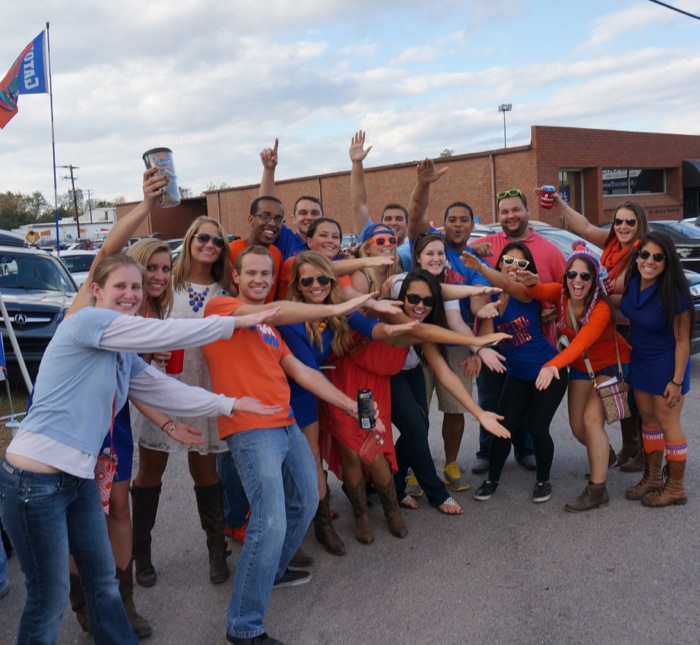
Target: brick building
column 595, row 170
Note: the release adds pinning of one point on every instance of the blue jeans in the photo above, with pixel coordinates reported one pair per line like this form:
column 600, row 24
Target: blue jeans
column 235, row 501
column 490, row 385
column 409, row 413
column 3, row 566
column 48, row 516
column 278, row 473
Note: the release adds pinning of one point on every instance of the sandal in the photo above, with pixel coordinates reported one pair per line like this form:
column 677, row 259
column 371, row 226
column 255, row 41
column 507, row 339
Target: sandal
column 409, row 503
column 450, row 507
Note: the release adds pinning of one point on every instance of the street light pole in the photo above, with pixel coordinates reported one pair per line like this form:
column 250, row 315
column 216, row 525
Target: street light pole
column 505, row 107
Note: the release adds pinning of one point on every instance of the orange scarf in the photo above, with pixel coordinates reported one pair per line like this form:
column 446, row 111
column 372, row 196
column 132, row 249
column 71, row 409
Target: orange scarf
column 615, row 258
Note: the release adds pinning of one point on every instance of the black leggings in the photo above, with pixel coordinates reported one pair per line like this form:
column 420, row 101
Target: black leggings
column 521, row 400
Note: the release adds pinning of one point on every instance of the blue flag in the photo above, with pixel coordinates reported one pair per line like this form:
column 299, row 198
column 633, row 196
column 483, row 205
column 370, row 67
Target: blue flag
column 32, row 73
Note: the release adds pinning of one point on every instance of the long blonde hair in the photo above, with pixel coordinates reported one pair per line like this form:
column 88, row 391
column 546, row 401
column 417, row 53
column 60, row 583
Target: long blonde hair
column 373, row 274
column 220, row 270
column 340, row 329
column 142, row 251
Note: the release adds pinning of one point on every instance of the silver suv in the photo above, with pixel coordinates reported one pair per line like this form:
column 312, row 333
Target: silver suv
column 37, row 290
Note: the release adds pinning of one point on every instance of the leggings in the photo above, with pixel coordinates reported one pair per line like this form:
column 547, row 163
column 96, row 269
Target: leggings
column 522, row 400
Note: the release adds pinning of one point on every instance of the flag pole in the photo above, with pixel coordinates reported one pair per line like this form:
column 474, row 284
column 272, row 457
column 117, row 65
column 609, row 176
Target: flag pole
column 53, row 143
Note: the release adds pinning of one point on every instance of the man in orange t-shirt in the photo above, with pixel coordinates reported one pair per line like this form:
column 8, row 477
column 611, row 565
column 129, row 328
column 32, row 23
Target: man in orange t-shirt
column 274, row 461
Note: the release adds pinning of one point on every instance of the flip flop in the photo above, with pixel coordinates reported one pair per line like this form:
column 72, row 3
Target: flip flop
column 451, row 504
column 409, row 503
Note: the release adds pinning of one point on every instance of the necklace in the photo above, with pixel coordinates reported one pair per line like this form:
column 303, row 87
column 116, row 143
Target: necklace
column 197, row 298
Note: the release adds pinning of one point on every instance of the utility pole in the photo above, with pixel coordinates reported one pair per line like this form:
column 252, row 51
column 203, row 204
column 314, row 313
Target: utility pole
column 75, row 196
column 90, row 204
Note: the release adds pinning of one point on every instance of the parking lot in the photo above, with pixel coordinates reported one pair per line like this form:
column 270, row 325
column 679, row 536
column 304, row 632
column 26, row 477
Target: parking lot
column 507, row 571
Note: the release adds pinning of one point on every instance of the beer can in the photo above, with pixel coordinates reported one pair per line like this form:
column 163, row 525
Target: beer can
column 365, row 409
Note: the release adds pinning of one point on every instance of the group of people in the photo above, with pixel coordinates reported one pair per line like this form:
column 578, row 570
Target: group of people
column 412, row 312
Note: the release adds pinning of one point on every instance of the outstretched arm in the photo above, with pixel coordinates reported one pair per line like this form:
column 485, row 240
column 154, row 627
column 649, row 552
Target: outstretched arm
column 418, row 221
column 578, row 223
column 269, row 159
column 358, row 190
column 496, row 278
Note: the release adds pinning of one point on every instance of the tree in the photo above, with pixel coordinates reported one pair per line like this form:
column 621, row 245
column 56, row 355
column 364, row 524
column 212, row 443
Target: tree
column 447, row 152
column 216, row 185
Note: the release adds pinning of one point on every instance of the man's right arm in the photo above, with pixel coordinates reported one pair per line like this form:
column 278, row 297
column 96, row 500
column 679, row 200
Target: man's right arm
column 358, row 190
column 269, row 160
column 418, row 221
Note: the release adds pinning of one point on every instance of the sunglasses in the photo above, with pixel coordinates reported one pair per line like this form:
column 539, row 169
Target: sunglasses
column 415, row 299
column 584, row 275
column 266, row 217
column 658, row 257
column 513, row 192
column 630, row 222
column 382, row 240
column 307, row 281
column 521, row 263
column 205, row 238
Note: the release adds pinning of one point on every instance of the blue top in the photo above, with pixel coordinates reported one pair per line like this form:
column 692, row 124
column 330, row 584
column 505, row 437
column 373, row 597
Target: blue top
column 77, row 382
column 290, row 243
column 528, row 349
column 405, row 252
column 302, row 401
column 653, row 358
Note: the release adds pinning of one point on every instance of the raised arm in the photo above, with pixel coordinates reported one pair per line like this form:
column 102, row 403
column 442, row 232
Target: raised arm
column 122, row 231
column 577, row 222
column 418, row 221
column 269, row 159
column 358, row 190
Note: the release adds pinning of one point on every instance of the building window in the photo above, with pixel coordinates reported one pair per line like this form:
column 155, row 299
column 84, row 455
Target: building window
column 628, row 181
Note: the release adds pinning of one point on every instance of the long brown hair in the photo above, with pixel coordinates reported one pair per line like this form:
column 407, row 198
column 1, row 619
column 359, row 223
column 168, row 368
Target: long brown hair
column 340, row 329
column 142, row 251
column 220, row 270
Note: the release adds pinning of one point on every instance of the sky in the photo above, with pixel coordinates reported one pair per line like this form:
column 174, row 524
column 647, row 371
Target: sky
column 217, row 81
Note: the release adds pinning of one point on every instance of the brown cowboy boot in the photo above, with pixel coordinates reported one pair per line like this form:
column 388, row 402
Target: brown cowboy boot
column 651, row 480
column 324, row 531
column 392, row 512
column 673, row 491
column 593, row 496
column 358, row 498
column 210, row 504
column 145, row 508
column 631, row 441
column 126, row 589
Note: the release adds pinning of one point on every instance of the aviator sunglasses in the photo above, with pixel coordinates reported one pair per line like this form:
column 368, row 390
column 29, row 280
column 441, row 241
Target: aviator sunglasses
column 307, row 281
column 521, row 263
column 415, row 299
column 584, row 275
column 630, row 222
column 205, row 238
column 645, row 255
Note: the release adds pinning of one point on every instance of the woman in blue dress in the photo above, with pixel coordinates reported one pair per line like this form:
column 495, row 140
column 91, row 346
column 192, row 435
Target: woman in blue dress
column 659, row 305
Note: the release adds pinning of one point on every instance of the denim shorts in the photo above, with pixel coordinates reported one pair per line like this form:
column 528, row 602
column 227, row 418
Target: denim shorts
column 609, row 370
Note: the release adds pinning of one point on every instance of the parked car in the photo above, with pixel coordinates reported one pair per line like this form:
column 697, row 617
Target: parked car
column 9, row 238
column 37, row 290
column 78, row 263
column 686, row 238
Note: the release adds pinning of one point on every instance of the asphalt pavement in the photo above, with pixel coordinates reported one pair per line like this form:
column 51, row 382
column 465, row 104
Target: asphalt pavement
column 507, row 571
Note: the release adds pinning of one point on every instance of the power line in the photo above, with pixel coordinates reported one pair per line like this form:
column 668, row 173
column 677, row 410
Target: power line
column 668, row 6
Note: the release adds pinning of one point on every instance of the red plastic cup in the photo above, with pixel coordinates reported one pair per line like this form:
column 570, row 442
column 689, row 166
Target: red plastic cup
column 547, row 197
column 176, row 362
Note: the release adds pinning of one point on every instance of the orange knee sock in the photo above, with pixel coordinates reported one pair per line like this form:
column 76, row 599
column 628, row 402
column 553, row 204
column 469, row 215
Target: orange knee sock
column 677, row 451
column 652, row 439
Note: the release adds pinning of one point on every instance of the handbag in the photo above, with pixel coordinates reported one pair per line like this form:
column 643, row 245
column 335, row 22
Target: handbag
column 613, row 392
column 106, row 467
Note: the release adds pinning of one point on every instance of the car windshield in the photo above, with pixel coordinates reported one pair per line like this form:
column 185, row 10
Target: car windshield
column 33, row 271
column 682, row 228
column 76, row 263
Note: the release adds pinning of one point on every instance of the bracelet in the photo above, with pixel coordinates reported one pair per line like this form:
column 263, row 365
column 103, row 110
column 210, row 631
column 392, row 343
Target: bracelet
column 672, row 382
column 172, row 427
column 476, row 353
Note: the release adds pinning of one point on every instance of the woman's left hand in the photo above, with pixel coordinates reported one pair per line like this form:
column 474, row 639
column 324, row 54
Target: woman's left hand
column 471, row 365
column 161, row 358
column 186, row 434
column 672, row 394
column 544, row 378
column 490, row 421
column 251, row 320
column 253, row 406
